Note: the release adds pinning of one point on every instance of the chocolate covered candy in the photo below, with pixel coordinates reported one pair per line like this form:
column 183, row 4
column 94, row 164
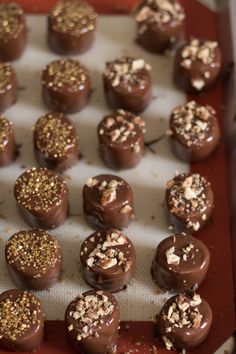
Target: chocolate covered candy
column 180, row 263
column 8, row 86
column 108, row 260
column 128, row 84
column 7, row 142
column 56, row 142
column 42, row 198
column 65, row 86
column 33, row 258
column 108, row 202
column 121, row 139
column 21, row 321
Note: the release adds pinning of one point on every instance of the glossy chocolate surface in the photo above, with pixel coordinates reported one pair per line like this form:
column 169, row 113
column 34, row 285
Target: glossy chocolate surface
column 34, row 259
column 8, row 86
column 42, row 198
column 128, row 84
column 21, row 321
column 108, row 202
column 121, row 139
column 56, row 143
column 7, row 142
column 108, row 260
column 65, row 85
column 92, row 321
column 180, row 263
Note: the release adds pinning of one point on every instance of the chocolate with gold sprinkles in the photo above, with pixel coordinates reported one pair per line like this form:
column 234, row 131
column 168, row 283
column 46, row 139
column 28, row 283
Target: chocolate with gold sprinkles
column 7, row 142
column 8, row 86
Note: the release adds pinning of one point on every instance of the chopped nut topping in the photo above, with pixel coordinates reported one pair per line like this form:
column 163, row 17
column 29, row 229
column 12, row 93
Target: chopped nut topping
column 198, row 84
column 126, row 209
column 108, row 190
column 171, row 257
column 91, row 182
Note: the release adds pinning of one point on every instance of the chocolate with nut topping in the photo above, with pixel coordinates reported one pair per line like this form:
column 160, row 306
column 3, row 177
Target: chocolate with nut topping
column 108, row 260
column 92, row 321
column 121, row 139
column 127, row 84
column 108, row 202
column 7, row 142
column 8, row 86
column 190, row 201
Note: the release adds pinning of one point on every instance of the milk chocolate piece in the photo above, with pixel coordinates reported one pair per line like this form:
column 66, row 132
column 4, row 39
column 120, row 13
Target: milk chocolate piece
column 127, row 84
column 71, row 27
column 121, row 139
column 7, row 142
column 92, row 321
column 42, row 198
column 8, row 86
column 65, row 85
column 21, row 321
column 108, row 202
column 184, row 321
column 180, row 263
column 197, row 65
column 34, row 259
column 160, row 24
column 56, row 142
column 194, row 131
column 108, row 260
column 13, row 31
column 190, row 201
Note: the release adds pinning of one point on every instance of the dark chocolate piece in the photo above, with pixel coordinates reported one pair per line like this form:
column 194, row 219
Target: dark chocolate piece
column 71, row 27
column 121, row 139
column 108, row 260
column 8, row 86
column 21, row 321
column 197, row 65
column 13, row 31
column 180, row 263
column 128, row 84
column 42, row 198
column 108, row 202
column 190, row 201
column 7, row 142
column 34, row 259
column 65, row 85
column 92, row 321
column 160, row 24
column 56, row 142
column 184, row 321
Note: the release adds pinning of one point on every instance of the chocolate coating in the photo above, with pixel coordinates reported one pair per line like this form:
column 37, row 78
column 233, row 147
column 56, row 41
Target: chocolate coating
column 128, row 84
column 8, row 86
column 197, row 65
column 65, row 85
column 121, row 139
column 7, row 142
column 180, row 263
column 33, row 258
column 71, row 27
column 42, row 198
column 13, row 31
column 160, row 24
column 190, row 201
column 108, row 202
column 92, row 321
column 184, row 321
column 21, row 321
column 108, row 260
column 56, row 142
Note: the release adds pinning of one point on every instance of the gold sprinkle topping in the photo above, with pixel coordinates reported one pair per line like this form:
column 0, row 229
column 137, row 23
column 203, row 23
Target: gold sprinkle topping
column 11, row 20
column 5, row 130
column 6, row 75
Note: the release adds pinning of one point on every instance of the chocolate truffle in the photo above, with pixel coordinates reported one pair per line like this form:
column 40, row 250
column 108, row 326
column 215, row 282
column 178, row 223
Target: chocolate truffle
column 56, row 142
column 65, row 85
column 121, row 139
column 71, row 27
column 7, row 142
column 108, row 260
column 194, row 131
column 127, row 84
column 13, row 31
column 21, row 321
column 197, row 65
column 180, row 263
column 34, row 259
column 8, row 86
column 42, row 198
column 184, row 321
column 190, row 201
column 92, row 321
column 160, row 24
column 108, row 202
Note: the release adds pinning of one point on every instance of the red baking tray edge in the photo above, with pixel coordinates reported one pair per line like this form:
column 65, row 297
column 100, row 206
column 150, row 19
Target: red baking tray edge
column 139, row 337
